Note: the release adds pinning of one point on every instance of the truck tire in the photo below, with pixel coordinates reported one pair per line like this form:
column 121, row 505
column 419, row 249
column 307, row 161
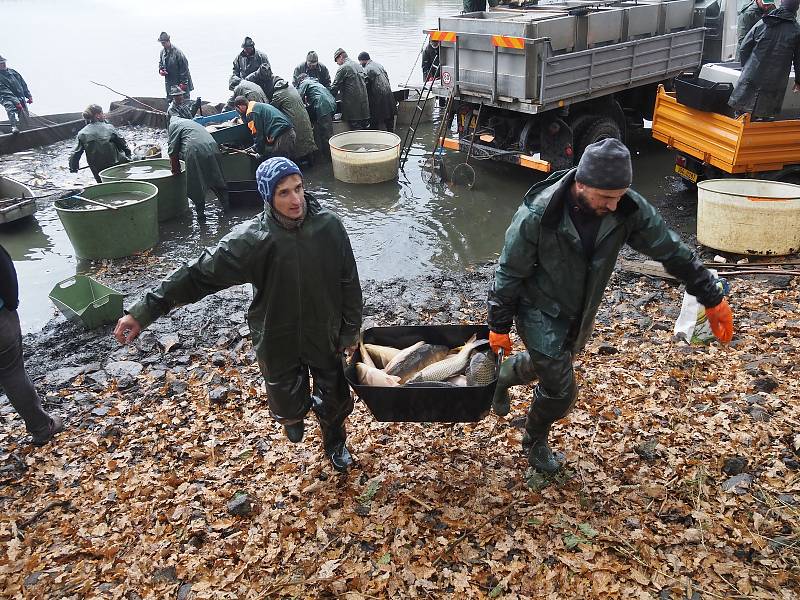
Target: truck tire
column 588, row 129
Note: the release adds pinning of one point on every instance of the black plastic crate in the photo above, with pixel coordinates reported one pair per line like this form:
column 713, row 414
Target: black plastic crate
column 244, row 193
column 702, row 94
column 423, row 404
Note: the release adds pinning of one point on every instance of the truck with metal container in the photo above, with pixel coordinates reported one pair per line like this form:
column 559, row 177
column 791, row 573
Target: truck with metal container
column 549, row 79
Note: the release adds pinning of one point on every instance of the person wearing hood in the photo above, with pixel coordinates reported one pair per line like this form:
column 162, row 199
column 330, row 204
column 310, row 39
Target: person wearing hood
column 14, row 94
column 767, row 54
column 430, row 61
column 14, row 380
column 173, row 67
column 311, row 67
column 287, row 99
column 382, row 105
column 306, row 308
column 249, row 59
column 262, row 77
column 350, row 86
column 321, row 107
column 273, row 134
column 180, row 107
column 749, row 15
column 559, row 253
column 191, row 143
column 102, row 143
column 243, row 87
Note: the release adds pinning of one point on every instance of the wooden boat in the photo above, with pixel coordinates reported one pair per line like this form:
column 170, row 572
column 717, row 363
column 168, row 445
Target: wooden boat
column 16, row 200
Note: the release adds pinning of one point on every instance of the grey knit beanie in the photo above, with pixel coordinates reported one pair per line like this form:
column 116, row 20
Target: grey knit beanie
column 605, row 165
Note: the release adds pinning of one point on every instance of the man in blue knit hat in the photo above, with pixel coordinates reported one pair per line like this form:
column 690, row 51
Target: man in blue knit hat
column 306, row 308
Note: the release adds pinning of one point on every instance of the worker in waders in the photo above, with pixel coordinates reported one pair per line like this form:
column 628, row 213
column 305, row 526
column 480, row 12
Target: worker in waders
column 306, row 308
column 350, row 86
column 180, row 106
column 273, row 133
column 559, row 253
column 311, row 67
column 174, row 67
column 382, row 105
column 190, row 142
column 102, row 143
column 249, row 60
column 321, row 107
column 14, row 95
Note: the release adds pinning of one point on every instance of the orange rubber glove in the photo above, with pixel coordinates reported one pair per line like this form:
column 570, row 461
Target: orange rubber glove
column 720, row 318
column 500, row 340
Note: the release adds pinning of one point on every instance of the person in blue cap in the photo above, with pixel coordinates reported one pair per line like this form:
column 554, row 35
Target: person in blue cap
column 306, row 308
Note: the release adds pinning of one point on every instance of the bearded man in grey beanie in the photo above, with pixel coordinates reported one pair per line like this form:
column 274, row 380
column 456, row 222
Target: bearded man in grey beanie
column 559, row 253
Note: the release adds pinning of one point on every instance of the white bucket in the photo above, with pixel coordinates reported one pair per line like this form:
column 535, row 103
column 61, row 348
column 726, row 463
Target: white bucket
column 749, row 216
column 364, row 156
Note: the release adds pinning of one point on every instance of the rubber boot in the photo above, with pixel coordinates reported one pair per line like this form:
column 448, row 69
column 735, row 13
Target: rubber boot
column 12, row 118
column 295, row 431
column 333, row 437
column 507, row 376
column 542, row 458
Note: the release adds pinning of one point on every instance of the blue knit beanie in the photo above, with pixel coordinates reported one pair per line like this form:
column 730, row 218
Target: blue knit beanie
column 270, row 173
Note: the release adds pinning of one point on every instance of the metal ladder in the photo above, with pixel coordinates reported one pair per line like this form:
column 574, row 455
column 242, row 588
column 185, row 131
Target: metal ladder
column 416, row 117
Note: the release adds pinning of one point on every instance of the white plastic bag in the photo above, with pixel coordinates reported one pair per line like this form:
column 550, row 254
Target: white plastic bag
column 692, row 324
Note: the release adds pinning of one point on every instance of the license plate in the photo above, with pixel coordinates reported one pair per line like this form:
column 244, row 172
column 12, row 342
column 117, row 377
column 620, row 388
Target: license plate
column 686, row 173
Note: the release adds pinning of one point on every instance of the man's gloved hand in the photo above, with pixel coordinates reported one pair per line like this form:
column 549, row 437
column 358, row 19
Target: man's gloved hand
column 30, row 99
column 183, row 86
column 175, row 164
column 498, row 341
column 19, row 106
column 720, row 318
column 163, row 72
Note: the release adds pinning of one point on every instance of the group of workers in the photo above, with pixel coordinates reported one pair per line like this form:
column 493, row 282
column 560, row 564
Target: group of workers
column 292, row 120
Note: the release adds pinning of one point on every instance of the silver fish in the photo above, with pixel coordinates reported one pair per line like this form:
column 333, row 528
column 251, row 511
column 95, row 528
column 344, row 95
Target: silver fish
column 459, row 380
column 365, row 356
column 452, row 365
column 415, row 361
column 401, row 355
column 372, row 376
column 481, row 369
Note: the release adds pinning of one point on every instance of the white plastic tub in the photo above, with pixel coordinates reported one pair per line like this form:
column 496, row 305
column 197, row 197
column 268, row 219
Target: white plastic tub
column 364, row 156
column 749, row 216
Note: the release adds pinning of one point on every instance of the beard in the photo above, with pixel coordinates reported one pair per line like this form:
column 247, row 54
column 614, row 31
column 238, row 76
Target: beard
column 583, row 203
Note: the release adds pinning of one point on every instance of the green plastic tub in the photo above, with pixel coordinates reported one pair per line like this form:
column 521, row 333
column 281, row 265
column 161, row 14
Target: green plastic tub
column 238, row 167
column 82, row 299
column 172, row 198
column 97, row 232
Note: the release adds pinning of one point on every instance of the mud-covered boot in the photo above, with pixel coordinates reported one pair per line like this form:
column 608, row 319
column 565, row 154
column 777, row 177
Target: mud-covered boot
column 541, row 457
column 295, row 431
column 501, row 403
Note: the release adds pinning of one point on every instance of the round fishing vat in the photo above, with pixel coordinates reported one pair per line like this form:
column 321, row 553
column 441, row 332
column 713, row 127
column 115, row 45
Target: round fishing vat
column 97, row 232
column 172, row 198
column 749, row 216
column 363, row 156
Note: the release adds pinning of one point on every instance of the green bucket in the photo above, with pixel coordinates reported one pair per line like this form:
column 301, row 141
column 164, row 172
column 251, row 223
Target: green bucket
column 97, row 232
column 85, row 300
column 172, row 198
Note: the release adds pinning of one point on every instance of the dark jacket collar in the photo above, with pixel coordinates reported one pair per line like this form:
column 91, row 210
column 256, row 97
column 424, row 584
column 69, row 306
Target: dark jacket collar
column 559, row 192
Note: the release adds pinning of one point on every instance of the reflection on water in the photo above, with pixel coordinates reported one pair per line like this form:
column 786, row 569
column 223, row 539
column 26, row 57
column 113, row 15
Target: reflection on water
column 404, row 227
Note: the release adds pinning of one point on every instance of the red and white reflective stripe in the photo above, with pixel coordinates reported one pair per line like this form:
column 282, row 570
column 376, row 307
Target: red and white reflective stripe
column 443, row 36
column 505, row 41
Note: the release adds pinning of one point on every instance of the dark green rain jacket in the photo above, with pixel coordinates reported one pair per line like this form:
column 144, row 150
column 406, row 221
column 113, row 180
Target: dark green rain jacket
column 545, row 281
column 177, row 66
column 287, row 99
column 382, row 104
column 306, row 292
column 104, row 147
column 351, row 88
column 13, row 87
column 318, row 97
column 195, row 146
column 265, row 122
